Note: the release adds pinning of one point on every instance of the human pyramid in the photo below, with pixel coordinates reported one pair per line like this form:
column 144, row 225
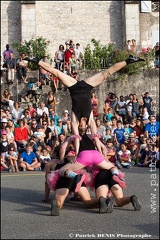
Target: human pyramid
column 70, row 174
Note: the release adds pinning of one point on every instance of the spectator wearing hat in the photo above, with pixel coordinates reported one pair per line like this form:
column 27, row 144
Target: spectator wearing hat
column 21, row 135
column 4, row 122
column 66, row 119
column 3, row 143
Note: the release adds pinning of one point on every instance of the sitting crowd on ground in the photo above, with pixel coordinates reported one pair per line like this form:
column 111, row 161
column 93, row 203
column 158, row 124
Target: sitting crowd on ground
column 32, row 137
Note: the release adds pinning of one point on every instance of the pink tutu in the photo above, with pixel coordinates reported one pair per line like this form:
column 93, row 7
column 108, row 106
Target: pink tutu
column 53, row 177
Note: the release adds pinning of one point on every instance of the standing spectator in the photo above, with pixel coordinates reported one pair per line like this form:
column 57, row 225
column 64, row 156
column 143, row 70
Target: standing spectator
column 113, row 126
column 129, row 107
column 105, row 110
column 79, row 55
column 119, row 134
column 135, row 106
column 59, row 58
column 157, row 55
column 6, row 53
column 109, row 116
column 133, row 46
column 2, row 69
column 147, row 102
column 72, row 63
column 121, row 104
column 11, row 68
column 113, row 101
column 28, row 159
column 127, row 130
column 94, row 102
column 67, row 54
column 128, row 46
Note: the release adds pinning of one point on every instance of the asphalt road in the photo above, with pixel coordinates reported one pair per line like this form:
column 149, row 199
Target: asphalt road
column 24, row 216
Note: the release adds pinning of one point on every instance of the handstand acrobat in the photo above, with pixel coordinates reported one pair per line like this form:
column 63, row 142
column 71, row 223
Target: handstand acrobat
column 80, row 92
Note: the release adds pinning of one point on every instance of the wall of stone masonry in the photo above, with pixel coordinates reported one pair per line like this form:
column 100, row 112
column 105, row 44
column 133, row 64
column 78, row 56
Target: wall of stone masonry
column 147, row 80
column 107, row 21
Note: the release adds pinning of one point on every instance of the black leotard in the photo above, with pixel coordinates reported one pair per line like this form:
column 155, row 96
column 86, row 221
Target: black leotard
column 86, row 143
column 80, row 94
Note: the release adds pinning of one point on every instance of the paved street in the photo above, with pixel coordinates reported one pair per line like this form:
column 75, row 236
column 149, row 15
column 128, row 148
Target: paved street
column 24, row 216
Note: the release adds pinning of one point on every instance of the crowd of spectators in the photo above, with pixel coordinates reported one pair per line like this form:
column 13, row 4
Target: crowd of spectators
column 32, row 136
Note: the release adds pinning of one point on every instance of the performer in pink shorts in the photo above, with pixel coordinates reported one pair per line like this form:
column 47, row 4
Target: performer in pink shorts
column 88, row 157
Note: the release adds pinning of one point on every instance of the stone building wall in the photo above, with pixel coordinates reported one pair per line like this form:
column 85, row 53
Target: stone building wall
column 107, row 21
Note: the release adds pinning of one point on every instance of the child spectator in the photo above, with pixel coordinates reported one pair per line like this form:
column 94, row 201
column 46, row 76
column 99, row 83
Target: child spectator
column 28, row 160
column 12, row 158
column 127, row 130
column 124, row 156
column 44, row 157
column 3, row 165
column 119, row 134
column 111, row 151
column 150, row 156
column 107, row 135
column 108, row 116
column 3, row 143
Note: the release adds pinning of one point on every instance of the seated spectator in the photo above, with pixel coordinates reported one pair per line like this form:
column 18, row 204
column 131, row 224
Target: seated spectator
column 113, row 126
column 16, row 110
column 12, row 158
column 28, row 160
column 3, row 123
column 129, row 107
column 3, row 165
column 31, row 109
column 131, row 141
column 127, row 130
column 35, row 116
column 145, row 114
column 152, row 128
column 101, row 130
column 107, row 135
column 139, row 127
column 21, row 135
column 48, row 133
column 94, row 102
column 25, row 114
column 150, row 156
column 3, row 144
column 44, row 157
column 79, row 55
column 22, row 68
column 51, row 102
column 55, row 117
column 31, row 89
column 40, row 133
column 52, row 127
column 111, row 151
column 60, row 129
column 66, row 119
column 134, row 153
column 124, row 156
column 42, row 108
column 132, row 123
column 44, row 117
column 10, row 136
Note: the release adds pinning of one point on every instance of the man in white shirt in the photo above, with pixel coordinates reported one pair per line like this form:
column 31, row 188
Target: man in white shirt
column 42, row 109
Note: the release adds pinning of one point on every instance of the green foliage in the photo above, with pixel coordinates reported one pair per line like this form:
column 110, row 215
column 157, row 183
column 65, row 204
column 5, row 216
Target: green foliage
column 34, row 47
column 100, row 57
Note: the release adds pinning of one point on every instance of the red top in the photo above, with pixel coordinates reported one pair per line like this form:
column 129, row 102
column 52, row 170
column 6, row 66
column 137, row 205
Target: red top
column 21, row 134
